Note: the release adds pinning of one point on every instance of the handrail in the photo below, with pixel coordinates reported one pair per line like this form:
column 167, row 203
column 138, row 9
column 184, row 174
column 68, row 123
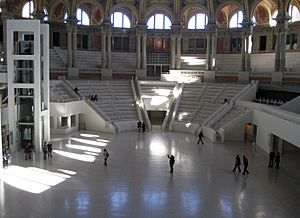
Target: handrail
column 136, row 100
column 96, row 109
column 219, row 113
column 176, row 105
column 142, row 107
column 170, row 114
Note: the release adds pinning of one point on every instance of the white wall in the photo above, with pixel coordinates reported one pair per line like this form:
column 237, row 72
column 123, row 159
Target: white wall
column 292, row 106
column 235, row 130
column 263, row 62
column 268, row 124
column 150, row 107
column 231, row 62
column 58, row 109
column 181, row 127
column 93, row 121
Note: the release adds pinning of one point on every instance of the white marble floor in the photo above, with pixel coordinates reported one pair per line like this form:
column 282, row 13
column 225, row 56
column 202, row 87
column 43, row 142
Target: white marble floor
column 137, row 182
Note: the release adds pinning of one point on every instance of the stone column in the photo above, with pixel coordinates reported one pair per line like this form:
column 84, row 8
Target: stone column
column 173, row 46
column 178, row 53
column 138, row 51
column 74, row 46
column 109, row 50
column 144, row 52
column 243, row 52
column 213, row 51
column 208, row 51
column 103, row 49
column 277, row 51
column 70, row 59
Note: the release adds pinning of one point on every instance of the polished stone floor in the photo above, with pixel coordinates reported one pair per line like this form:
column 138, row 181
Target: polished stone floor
column 137, row 182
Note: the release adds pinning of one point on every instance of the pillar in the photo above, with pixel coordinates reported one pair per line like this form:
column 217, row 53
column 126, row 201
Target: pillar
column 178, row 53
column 103, row 49
column 277, row 51
column 138, row 51
column 74, row 46
column 243, row 53
column 144, row 54
column 208, row 52
column 109, row 50
column 70, row 47
column 173, row 44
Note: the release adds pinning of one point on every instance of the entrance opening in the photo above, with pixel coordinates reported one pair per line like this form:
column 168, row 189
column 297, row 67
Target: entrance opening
column 157, row 118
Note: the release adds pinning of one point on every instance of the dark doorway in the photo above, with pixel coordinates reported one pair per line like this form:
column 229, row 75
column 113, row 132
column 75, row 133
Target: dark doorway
column 157, row 118
column 263, row 43
column 56, row 39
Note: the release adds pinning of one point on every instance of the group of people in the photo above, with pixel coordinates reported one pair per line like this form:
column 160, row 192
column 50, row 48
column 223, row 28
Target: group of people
column 5, row 156
column 272, row 157
column 47, row 150
column 93, row 97
column 28, row 151
column 141, row 126
column 237, row 164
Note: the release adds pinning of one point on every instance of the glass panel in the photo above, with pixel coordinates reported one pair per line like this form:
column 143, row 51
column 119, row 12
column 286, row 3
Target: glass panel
column 159, row 21
column 168, row 23
column 192, row 23
column 150, row 23
column 24, row 106
column 272, row 21
column 78, row 16
column 85, row 19
column 201, row 21
column 233, row 21
column 23, row 71
column 294, row 13
column 240, row 19
column 126, row 22
column 118, row 19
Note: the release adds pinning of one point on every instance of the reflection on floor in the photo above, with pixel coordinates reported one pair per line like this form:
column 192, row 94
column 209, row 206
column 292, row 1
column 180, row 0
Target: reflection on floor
column 137, row 182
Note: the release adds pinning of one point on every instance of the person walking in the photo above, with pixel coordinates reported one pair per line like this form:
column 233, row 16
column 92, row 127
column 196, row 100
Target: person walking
column 171, row 162
column 45, row 150
column 49, row 146
column 27, row 151
column 200, row 136
column 144, row 126
column 271, row 158
column 105, row 156
column 245, row 162
column 277, row 160
column 237, row 163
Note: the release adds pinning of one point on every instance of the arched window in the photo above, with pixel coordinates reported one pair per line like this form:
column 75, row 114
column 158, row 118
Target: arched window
column 159, row 21
column 81, row 16
column 46, row 14
column 236, row 20
column 254, row 20
column 198, row 21
column 294, row 13
column 28, row 10
column 119, row 19
column 272, row 20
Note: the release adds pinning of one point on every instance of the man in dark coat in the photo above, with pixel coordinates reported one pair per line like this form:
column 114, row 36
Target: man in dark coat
column 237, row 163
column 277, row 160
column 245, row 162
column 271, row 158
column 171, row 162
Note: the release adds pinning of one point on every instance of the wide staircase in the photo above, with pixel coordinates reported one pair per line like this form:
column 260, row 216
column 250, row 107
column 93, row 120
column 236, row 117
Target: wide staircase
column 58, row 58
column 115, row 98
column 234, row 113
column 199, row 101
column 188, row 103
column 59, row 93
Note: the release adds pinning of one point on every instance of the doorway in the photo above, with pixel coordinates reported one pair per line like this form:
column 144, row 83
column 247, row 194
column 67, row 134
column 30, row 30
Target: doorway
column 156, row 118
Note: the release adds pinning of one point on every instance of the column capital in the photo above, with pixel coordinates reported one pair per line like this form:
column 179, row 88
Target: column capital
column 176, row 29
column 282, row 22
column 141, row 28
